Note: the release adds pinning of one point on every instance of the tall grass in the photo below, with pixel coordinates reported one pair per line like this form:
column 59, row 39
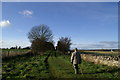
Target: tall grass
column 13, row 52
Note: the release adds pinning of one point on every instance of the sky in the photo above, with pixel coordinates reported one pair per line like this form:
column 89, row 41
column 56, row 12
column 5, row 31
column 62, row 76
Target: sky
column 60, row 0
column 88, row 24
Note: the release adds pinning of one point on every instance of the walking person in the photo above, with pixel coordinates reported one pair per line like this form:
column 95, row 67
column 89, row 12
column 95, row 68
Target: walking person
column 76, row 59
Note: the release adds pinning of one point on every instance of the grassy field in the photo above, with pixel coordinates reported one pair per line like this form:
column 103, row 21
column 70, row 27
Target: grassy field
column 26, row 66
column 61, row 67
column 13, row 52
column 102, row 53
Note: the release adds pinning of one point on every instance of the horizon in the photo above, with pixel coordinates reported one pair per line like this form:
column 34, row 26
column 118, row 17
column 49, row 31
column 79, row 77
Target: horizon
column 89, row 25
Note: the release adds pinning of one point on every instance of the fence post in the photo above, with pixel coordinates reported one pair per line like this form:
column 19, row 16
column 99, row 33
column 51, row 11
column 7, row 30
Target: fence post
column 8, row 53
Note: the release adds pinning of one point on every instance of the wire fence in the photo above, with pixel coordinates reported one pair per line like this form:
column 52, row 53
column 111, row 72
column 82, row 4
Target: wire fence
column 10, row 53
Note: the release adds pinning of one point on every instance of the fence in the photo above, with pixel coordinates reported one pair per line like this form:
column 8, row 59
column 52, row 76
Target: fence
column 9, row 53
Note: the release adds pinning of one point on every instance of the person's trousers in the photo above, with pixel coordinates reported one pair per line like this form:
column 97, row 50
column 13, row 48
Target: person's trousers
column 76, row 68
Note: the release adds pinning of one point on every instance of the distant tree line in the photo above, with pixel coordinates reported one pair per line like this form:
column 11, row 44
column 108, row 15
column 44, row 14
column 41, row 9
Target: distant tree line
column 41, row 38
column 17, row 47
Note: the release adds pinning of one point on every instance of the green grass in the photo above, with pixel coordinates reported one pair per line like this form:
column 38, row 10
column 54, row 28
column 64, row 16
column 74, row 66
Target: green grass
column 33, row 66
column 25, row 66
column 62, row 68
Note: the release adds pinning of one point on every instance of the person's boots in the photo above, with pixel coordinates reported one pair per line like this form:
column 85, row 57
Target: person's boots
column 76, row 71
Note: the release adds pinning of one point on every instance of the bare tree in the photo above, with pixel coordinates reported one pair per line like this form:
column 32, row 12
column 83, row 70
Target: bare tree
column 40, row 32
column 41, row 39
column 63, row 44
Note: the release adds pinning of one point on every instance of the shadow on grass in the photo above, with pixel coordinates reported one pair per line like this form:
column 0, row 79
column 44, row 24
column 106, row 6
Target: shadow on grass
column 103, row 71
column 109, row 71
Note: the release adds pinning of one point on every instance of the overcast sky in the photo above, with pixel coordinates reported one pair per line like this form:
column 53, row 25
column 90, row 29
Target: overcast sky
column 89, row 24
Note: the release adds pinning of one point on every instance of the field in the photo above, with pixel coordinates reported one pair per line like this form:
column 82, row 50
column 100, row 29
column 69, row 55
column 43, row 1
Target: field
column 38, row 66
column 103, row 53
column 13, row 52
column 24, row 66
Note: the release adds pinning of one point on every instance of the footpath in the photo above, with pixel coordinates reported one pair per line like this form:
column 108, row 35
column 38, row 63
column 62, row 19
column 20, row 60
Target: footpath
column 60, row 67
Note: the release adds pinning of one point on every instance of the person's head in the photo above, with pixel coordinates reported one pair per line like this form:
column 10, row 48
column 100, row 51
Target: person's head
column 75, row 49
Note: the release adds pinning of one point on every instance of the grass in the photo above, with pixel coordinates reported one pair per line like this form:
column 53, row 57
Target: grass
column 13, row 52
column 101, row 53
column 62, row 68
column 33, row 66
column 25, row 66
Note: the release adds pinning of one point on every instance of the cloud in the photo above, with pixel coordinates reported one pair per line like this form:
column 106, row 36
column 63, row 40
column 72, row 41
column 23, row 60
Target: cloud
column 26, row 13
column 1, row 42
column 102, row 44
column 19, row 30
column 5, row 23
column 108, row 42
column 13, row 43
